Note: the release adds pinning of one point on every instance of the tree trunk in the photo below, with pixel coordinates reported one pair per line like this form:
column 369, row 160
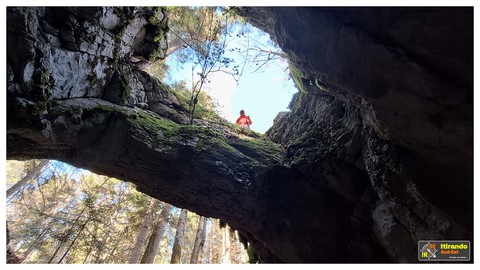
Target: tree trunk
column 89, row 252
column 73, row 242
column 204, row 238
column 90, row 132
column 199, row 240
column 226, row 244
column 34, row 244
column 27, row 178
column 174, row 46
column 75, row 222
column 81, row 117
column 110, row 235
column 112, row 251
column 60, row 245
column 210, row 248
column 157, row 234
column 142, row 233
column 179, row 237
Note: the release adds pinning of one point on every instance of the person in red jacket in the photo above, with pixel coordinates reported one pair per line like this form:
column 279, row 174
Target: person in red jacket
column 244, row 121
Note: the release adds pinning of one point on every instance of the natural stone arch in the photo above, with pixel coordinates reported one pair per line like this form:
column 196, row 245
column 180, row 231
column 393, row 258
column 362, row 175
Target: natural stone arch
column 75, row 94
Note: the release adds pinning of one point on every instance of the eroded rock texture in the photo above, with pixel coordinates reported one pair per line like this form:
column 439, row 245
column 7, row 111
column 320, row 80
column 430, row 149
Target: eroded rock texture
column 377, row 149
column 386, row 103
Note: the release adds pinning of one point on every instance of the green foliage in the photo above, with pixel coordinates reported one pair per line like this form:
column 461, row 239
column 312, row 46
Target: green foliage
column 205, row 108
column 158, row 70
column 192, row 28
column 16, row 170
column 201, row 34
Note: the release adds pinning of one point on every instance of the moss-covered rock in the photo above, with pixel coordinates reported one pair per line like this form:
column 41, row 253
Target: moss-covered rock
column 298, row 77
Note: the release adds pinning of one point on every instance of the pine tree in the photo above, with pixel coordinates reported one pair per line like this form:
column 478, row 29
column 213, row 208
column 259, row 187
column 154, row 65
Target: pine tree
column 72, row 216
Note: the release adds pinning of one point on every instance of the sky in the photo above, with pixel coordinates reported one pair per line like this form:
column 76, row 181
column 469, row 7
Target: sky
column 252, row 86
column 262, row 94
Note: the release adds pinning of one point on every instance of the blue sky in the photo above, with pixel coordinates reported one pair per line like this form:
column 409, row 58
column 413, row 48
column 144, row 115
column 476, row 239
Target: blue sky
column 262, row 94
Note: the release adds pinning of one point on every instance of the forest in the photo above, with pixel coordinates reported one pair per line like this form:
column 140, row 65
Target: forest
column 112, row 159
column 57, row 213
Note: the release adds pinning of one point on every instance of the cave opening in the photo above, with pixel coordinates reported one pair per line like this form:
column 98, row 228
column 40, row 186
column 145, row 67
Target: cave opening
column 253, row 73
column 362, row 166
column 263, row 90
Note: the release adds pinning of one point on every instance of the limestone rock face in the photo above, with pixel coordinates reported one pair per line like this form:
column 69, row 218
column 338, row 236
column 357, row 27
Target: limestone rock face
column 77, row 52
column 375, row 154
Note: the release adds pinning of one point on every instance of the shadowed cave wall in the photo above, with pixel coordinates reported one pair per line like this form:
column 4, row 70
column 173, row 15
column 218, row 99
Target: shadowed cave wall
column 375, row 154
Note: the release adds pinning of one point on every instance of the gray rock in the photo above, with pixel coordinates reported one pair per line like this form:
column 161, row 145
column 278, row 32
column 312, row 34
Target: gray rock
column 365, row 158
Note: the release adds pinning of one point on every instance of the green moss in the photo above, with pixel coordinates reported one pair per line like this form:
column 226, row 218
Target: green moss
column 201, row 138
column 44, row 101
column 241, row 131
column 154, row 19
column 119, row 12
column 125, row 84
column 169, row 128
column 155, row 124
column 127, row 91
column 44, row 79
column 153, row 55
column 159, row 25
column 42, row 107
column 164, row 131
column 159, row 36
column 263, row 147
column 105, row 108
column 112, row 108
column 182, row 97
column 203, row 108
column 207, row 139
column 93, row 80
column 297, row 76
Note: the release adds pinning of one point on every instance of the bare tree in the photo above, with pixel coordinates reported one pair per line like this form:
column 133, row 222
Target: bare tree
column 142, row 233
column 31, row 174
column 156, row 236
column 179, row 237
column 90, row 206
column 226, row 244
column 202, row 35
column 199, row 239
column 64, row 238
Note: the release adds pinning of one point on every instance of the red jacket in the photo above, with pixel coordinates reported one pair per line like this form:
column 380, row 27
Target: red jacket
column 244, row 120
